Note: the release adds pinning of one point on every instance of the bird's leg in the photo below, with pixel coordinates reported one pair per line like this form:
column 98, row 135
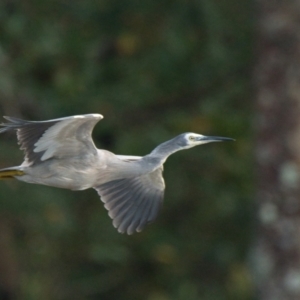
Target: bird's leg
column 5, row 174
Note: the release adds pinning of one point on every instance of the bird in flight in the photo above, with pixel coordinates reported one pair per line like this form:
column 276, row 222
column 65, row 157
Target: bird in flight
column 61, row 153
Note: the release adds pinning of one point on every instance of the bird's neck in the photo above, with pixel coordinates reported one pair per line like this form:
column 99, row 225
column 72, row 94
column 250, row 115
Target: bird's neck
column 164, row 150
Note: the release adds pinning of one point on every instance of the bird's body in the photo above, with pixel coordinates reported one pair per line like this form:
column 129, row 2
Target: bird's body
column 61, row 153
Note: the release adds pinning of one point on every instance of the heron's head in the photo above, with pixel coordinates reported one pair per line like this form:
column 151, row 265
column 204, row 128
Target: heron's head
column 189, row 139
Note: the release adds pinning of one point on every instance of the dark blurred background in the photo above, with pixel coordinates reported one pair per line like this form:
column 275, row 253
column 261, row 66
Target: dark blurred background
column 154, row 69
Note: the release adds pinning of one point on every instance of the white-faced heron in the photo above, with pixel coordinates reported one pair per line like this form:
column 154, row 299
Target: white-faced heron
column 61, row 153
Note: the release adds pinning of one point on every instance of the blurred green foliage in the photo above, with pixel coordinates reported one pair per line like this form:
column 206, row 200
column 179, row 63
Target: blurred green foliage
column 154, row 69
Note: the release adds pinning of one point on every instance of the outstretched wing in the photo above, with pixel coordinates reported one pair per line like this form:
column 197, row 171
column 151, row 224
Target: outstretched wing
column 132, row 203
column 64, row 137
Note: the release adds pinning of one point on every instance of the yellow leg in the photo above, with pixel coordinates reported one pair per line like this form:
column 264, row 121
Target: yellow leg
column 5, row 174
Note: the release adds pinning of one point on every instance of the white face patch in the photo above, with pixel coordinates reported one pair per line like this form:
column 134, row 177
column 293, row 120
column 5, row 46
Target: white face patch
column 193, row 139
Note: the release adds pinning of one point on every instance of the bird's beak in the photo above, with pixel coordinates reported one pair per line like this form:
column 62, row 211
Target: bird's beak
column 210, row 139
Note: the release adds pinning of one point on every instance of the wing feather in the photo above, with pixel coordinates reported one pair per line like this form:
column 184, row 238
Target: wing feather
column 154, row 210
column 132, row 203
column 144, row 215
column 121, row 205
column 135, row 203
column 42, row 140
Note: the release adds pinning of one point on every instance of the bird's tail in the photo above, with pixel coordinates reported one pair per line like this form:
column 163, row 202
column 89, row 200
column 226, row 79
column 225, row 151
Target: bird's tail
column 10, row 173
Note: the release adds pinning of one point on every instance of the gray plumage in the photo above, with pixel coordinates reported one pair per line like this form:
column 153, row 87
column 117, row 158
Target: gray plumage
column 61, row 153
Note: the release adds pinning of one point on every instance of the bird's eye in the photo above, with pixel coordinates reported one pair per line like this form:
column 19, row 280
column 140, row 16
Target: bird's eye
column 191, row 138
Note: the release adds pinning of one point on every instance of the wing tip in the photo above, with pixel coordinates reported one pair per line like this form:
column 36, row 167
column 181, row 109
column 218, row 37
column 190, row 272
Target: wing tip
column 96, row 116
column 127, row 230
column 99, row 116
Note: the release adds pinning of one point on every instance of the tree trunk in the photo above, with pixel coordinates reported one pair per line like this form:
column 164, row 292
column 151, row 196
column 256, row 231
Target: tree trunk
column 277, row 249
